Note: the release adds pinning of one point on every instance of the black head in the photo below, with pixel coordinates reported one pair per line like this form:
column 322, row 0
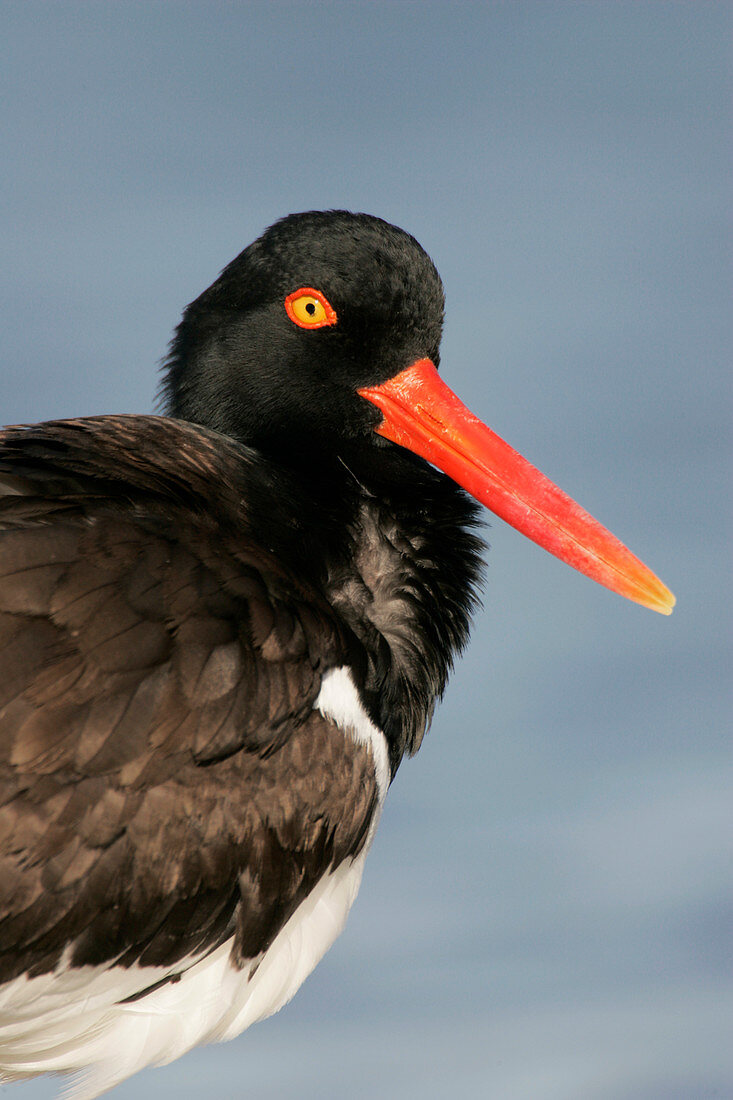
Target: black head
column 241, row 365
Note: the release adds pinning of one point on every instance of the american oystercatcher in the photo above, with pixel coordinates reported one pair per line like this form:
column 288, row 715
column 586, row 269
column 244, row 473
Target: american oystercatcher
column 222, row 630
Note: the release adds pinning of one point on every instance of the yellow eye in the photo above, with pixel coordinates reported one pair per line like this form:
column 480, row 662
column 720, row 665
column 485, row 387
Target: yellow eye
column 308, row 308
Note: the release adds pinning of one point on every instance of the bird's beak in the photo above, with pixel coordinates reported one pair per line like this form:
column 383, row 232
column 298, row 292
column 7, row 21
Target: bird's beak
column 422, row 414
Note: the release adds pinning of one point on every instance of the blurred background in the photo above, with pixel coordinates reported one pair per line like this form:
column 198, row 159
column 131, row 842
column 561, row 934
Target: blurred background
column 545, row 914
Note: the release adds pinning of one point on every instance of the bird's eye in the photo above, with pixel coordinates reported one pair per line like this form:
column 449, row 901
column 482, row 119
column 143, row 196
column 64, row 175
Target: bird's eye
column 308, row 308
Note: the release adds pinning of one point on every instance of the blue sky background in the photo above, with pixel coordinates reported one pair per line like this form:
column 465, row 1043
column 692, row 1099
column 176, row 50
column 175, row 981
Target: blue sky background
column 546, row 911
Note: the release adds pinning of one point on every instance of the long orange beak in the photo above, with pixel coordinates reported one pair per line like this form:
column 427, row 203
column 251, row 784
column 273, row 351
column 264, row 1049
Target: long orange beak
column 422, row 414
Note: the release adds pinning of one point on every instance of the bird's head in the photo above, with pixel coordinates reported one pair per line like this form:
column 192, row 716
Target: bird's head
column 322, row 304
column 322, row 338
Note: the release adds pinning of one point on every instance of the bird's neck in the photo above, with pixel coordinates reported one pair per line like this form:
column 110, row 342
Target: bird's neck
column 399, row 562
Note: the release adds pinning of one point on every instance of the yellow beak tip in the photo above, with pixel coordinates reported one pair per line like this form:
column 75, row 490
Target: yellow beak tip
column 663, row 603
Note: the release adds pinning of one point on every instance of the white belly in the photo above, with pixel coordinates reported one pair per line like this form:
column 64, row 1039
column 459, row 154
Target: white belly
column 73, row 1021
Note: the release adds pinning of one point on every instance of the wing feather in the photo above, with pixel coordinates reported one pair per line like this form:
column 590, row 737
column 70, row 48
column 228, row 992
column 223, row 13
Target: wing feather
column 164, row 780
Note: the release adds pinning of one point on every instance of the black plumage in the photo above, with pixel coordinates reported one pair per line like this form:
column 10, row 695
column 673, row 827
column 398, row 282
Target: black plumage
column 173, row 590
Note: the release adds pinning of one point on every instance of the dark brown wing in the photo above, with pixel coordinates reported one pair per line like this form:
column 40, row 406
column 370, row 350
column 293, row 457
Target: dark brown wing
column 164, row 780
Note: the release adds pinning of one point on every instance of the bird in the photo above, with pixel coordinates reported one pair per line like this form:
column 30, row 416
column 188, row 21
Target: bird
column 222, row 630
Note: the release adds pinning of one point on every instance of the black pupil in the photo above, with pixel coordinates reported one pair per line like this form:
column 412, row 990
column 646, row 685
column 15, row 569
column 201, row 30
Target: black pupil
column 310, row 308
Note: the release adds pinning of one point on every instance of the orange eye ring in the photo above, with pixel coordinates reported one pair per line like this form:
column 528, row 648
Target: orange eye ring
column 308, row 308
